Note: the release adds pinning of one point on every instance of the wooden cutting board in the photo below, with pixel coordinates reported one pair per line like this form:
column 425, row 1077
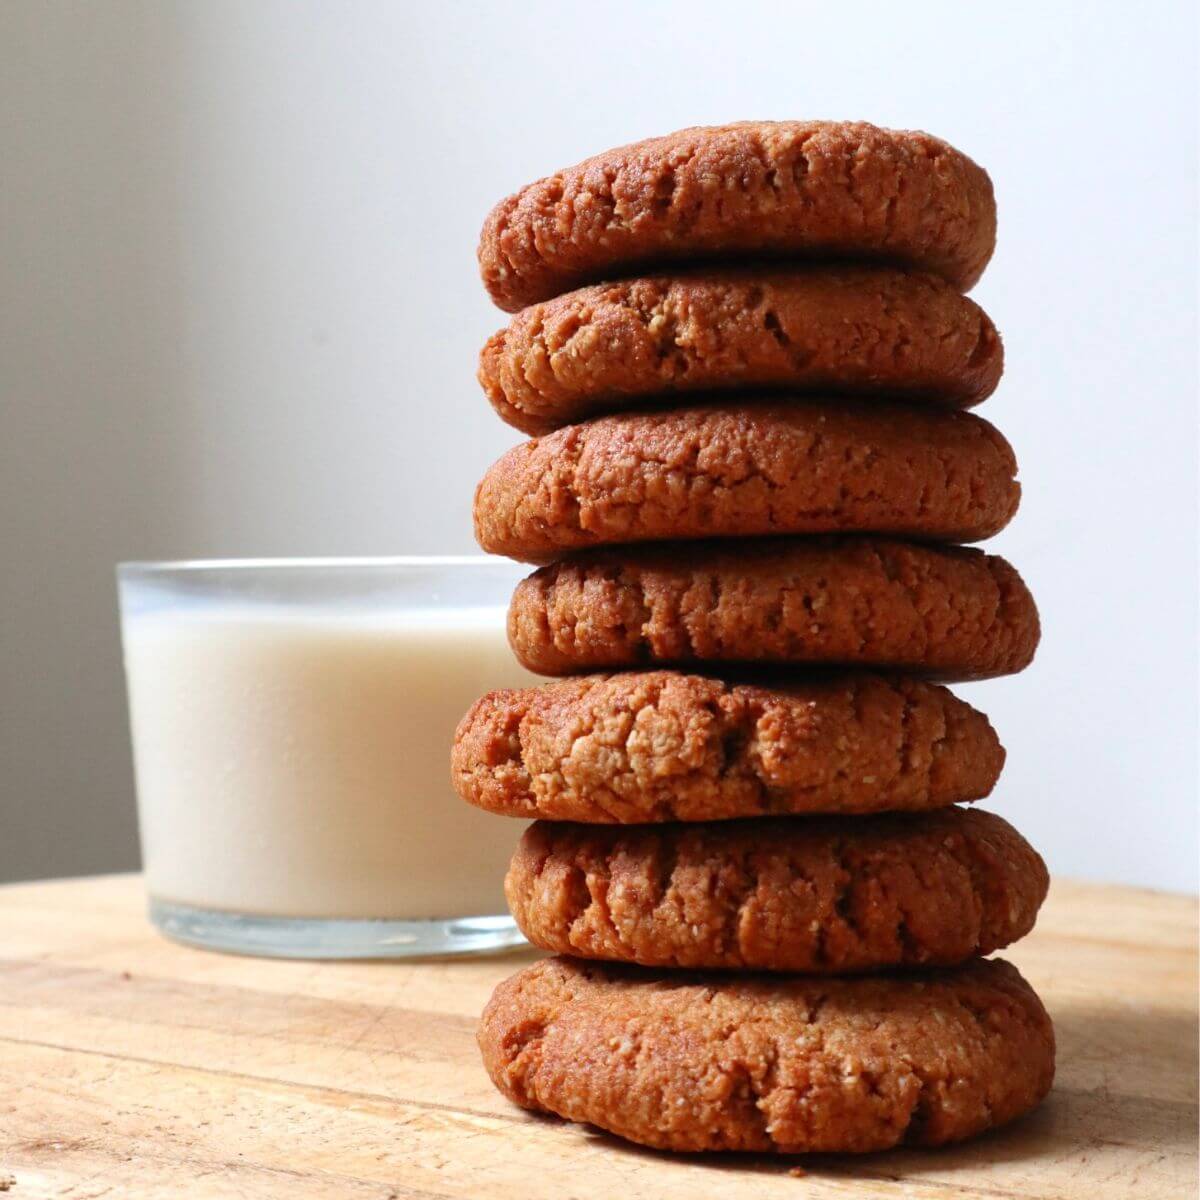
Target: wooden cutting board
column 133, row 1067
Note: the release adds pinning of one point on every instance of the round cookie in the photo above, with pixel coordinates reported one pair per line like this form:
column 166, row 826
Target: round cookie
column 823, row 895
column 825, row 189
column 698, row 1062
column 946, row 612
column 646, row 746
column 749, row 470
column 838, row 328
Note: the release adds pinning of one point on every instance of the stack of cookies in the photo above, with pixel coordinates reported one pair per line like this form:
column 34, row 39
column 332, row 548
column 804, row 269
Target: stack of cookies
column 750, row 473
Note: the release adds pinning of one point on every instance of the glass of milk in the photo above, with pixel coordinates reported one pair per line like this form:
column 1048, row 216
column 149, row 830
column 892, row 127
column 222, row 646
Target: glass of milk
column 291, row 724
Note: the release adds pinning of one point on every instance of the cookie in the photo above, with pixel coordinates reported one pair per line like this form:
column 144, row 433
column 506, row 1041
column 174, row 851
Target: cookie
column 944, row 612
column 770, row 189
column 749, row 470
column 696, row 1062
column 824, row 895
column 842, row 329
column 647, row 746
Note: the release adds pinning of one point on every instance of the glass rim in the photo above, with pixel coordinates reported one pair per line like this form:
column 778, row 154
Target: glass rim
column 169, row 565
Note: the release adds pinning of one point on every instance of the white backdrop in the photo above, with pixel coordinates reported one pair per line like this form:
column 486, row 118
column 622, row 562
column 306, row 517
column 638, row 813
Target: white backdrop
column 240, row 316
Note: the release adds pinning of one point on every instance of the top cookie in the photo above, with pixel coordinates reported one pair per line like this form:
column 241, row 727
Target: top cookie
column 798, row 188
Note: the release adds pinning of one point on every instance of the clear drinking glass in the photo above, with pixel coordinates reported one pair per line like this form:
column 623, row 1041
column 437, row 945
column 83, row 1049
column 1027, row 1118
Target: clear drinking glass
column 291, row 724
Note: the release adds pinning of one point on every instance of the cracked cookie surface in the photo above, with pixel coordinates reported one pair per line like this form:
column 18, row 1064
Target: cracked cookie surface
column 827, row 895
column 843, row 190
column 842, row 329
column 944, row 612
column 698, row 1062
column 749, row 470
column 646, row 746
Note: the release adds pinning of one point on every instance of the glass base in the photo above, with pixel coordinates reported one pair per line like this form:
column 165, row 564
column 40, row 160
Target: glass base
column 315, row 937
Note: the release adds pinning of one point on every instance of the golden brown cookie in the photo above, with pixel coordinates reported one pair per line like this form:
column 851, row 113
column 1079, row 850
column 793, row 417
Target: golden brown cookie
column 834, row 328
column 824, row 895
column 749, row 470
column 661, row 746
column 686, row 1061
column 770, row 189
column 942, row 611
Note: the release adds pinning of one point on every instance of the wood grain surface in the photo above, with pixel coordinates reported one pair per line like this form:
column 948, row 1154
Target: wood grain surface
column 132, row 1067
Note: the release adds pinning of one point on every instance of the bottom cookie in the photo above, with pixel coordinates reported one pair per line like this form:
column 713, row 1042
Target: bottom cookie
column 700, row 1062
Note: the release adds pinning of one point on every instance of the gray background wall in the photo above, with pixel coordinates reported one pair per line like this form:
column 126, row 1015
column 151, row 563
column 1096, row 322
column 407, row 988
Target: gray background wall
column 239, row 316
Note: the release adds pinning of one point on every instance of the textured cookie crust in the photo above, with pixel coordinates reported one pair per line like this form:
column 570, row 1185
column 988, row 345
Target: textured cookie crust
column 843, row 329
column 749, row 470
column 772, row 188
column 718, row 1062
column 660, row 746
column 819, row 895
column 943, row 611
